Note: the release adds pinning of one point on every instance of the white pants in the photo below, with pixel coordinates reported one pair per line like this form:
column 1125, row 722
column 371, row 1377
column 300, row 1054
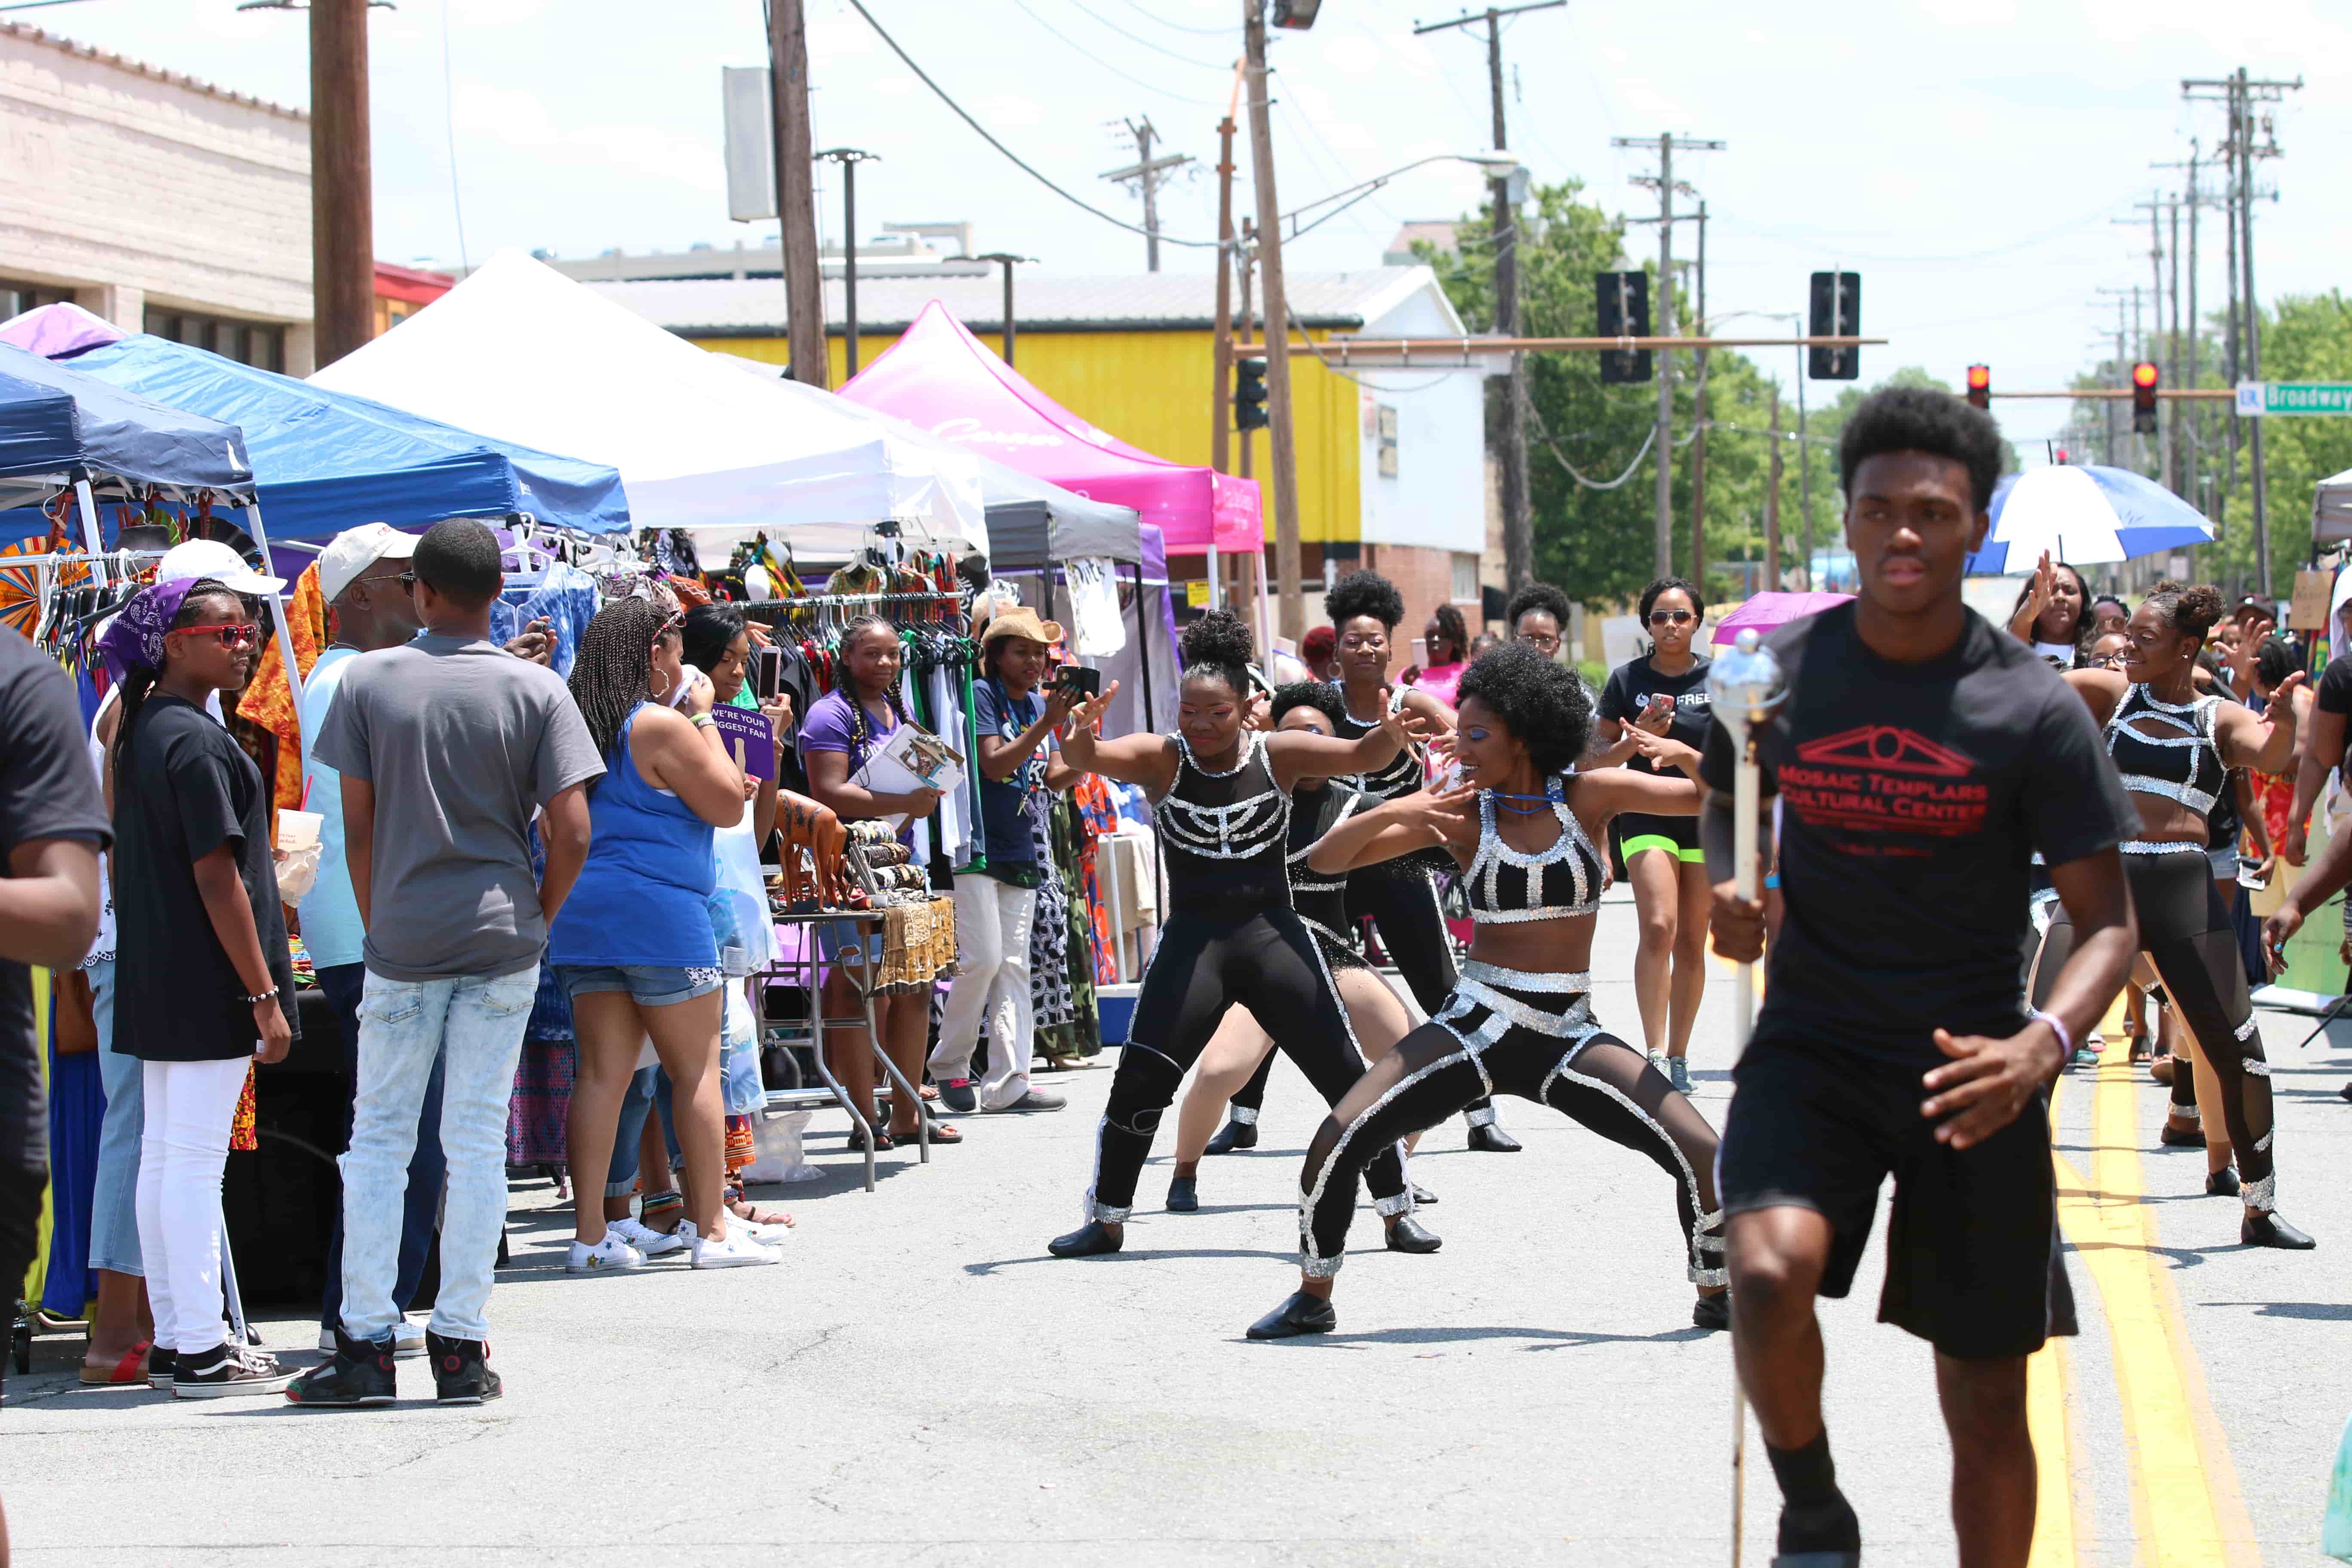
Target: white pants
column 993, row 921
column 190, row 1109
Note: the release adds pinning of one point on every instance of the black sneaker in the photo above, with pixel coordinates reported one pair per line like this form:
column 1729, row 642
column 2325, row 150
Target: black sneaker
column 227, row 1370
column 958, row 1095
column 461, row 1369
column 160, row 1363
column 358, row 1373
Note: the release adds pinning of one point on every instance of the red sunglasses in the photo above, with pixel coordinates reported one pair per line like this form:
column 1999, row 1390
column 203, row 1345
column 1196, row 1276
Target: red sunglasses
column 234, row 636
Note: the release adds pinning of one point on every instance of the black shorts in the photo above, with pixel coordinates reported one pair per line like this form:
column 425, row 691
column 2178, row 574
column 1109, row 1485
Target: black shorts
column 1972, row 1263
column 1635, row 831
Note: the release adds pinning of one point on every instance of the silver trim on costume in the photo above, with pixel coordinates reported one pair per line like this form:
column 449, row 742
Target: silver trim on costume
column 1482, row 881
column 2261, row 1197
column 2264, row 1141
column 1311, row 1266
column 1245, row 1114
column 2245, row 1031
column 1239, row 831
column 1565, row 1068
column 2255, row 1066
column 2197, row 713
column 1484, row 1116
column 1304, row 878
column 2149, row 846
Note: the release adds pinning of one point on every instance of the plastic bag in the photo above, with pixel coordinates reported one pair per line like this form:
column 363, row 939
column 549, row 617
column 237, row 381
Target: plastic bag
column 2335, row 1528
column 297, row 873
column 777, row 1138
column 738, row 902
column 738, row 1057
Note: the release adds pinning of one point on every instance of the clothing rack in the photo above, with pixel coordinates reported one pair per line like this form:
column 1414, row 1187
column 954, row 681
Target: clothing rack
column 822, row 601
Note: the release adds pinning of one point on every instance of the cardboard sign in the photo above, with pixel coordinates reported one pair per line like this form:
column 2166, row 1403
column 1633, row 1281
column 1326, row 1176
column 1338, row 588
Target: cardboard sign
column 749, row 740
column 2308, row 612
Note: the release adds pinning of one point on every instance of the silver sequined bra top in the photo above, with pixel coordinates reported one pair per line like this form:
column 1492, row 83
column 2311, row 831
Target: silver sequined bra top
column 1504, row 885
column 1401, row 774
column 2168, row 748
column 1225, row 833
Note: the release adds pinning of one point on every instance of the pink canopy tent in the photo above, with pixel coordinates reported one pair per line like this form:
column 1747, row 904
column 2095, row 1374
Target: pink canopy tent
column 941, row 378
column 59, row 330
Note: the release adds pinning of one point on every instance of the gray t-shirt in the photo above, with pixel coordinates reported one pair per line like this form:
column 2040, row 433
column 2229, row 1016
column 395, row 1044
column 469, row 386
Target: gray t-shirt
column 464, row 743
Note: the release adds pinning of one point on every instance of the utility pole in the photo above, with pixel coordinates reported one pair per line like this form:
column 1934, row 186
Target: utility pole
column 849, row 158
column 1280, row 408
column 1221, row 398
column 1698, row 422
column 1146, row 171
column 1518, row 516
column 343, row 203
column 1664, row 145
column 797, row 192
column 1804, row 468
column 2155, row 207
column 1246, row 262
column 1771, row 582
column 1008, row 261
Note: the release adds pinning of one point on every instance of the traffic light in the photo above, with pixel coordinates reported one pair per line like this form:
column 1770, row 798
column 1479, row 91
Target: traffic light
column 1295, row 13
column 1980, row 386
column 2145, row 376
column 1249, row 392
column 1621, row 304
column 1836, row 313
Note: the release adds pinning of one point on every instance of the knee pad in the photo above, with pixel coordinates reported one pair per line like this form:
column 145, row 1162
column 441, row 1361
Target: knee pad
column 1144, row 1090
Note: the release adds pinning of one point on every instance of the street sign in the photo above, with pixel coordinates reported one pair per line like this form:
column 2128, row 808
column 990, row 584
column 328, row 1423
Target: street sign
column 2259, row 399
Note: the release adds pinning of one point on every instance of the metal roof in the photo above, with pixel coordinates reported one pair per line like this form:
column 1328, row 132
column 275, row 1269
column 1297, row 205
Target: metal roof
column 1147, row 301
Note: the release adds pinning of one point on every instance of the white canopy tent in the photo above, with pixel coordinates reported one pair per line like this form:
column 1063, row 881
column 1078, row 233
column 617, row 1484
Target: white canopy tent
column 519, row 352
column 2331, row 509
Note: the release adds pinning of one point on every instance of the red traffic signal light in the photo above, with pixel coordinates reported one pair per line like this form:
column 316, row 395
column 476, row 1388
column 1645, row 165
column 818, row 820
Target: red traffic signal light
column 2144, row 376
column 1980, row 386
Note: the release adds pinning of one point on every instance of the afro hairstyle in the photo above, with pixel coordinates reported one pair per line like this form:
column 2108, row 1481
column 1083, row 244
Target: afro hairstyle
column 1320, row 695
column 1219, row 644
column 1923, row 419
column 1541, row 700
column 1536, row 596
column 1364, row 594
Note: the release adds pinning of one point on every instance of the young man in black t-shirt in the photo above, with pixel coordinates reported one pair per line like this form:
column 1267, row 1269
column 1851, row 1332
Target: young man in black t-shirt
column 1920, row 759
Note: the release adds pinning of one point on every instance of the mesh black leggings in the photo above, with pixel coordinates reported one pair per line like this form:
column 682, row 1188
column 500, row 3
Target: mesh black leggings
column 2187, row 934
column 1597, row 1079
column 1266, row 961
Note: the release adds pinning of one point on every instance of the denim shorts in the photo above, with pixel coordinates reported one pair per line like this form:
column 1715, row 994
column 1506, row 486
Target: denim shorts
column 648, row 985
column 836, row 938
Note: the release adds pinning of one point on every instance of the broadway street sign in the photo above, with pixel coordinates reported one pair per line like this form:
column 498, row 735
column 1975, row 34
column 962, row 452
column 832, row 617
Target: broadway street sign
column 2258, row 398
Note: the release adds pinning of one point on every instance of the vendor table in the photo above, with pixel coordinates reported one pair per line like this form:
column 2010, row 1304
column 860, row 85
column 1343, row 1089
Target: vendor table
column 804, row 964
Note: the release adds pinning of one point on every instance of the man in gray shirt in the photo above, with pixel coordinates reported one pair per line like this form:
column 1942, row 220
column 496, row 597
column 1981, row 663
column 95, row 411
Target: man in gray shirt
column 446, row 747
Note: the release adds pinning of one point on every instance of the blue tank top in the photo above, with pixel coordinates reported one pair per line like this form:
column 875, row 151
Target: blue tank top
column 644, row 897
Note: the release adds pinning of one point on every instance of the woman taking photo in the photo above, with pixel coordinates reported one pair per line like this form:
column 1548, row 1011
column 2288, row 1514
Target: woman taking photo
column 204, row 978
column 1221, row 800
column 844, row 727
column 1448, row 642
column 2053, row 612
column 633, row 944
column 2174, row 750
column 1664, row 695
column 1523, row 830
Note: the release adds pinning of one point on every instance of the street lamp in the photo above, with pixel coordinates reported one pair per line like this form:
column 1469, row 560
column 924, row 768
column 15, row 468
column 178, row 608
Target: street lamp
column 849, row 158
column 1499, row 166
column 1007, row 260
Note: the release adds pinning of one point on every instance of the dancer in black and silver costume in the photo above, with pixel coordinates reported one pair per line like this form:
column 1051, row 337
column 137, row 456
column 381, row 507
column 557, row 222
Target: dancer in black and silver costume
column 1520, row 1018
column 1221, row 799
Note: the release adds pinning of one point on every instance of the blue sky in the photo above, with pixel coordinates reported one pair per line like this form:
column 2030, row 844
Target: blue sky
column 1970, row 158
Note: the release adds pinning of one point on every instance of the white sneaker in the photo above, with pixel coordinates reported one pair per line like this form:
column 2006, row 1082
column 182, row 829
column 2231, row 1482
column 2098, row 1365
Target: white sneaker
column 734, row 1251
column 609, row 1256
column 765, row 1234
column 408, row 1340
column 648, row 1241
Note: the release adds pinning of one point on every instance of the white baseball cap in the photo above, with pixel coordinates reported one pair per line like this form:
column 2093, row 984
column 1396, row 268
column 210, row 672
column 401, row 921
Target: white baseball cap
column 211, row 558
column 347, row 560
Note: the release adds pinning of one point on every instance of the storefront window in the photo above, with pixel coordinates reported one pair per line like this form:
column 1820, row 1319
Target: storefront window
column 16, row 298
column 256, row 344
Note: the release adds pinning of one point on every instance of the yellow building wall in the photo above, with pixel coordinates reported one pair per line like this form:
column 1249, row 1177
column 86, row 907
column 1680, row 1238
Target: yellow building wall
column 1152, row 389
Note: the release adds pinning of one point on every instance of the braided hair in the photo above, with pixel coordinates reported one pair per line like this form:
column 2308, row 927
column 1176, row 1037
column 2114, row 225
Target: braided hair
column 139, row 681
column 860, row 727
column 614, row 670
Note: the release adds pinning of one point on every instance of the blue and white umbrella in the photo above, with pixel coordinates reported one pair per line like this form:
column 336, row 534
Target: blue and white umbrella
column 2084, row 515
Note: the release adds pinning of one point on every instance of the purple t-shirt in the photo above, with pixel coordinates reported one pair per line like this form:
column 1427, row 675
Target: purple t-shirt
column 832, row 725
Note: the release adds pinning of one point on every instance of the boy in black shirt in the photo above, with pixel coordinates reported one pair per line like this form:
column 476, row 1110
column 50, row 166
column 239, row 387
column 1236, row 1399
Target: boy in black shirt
column 1920, row 757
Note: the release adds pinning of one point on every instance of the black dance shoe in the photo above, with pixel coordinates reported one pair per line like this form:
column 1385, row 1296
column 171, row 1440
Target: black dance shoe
column 1491, row 1139
column 1233, row 1135
column 2267, row 1229
column 1301, row 1314
column 1090, row 1240
column 1422, row 1194
column 1712, row 1313
column 2181, row 1137
column 1818, row 1536
column 2221, row 1184
column 1406, row 1235
column 1183, row 1194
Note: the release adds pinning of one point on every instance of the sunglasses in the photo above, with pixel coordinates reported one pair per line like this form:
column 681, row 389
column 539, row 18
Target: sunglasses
column 1670, row 618
column 234, row 638
column 1546, row 641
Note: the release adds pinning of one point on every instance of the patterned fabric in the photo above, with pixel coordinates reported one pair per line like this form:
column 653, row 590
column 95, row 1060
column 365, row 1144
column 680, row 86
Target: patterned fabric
column 1098, row 814
column 740, row 1149
column 268, row 701
column 134, row 638
column 539, row 1111
column 1049, row 937
column 1071, row 963
column 242, row 1139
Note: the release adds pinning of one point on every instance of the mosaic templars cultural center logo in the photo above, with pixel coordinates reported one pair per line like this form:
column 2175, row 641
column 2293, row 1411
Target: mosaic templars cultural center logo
column 1882, row 779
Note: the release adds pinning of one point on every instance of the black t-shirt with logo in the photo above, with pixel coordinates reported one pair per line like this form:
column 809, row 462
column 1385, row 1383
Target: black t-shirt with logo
column 1633, row 683
column 1912, row 798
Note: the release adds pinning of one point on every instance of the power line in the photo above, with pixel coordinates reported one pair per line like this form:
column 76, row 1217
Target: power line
column 449, row 117
column 1106, row 64
column 1550, row 446
column 1186, row 59
column 1178, row 27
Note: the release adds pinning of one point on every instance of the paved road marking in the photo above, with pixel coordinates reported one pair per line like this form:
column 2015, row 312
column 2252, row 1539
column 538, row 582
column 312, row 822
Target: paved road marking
column 2049, row 1391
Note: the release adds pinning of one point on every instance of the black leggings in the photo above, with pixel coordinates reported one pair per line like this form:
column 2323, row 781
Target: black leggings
column 1477, row 1046
column 1265, row 961
column 2187, row 934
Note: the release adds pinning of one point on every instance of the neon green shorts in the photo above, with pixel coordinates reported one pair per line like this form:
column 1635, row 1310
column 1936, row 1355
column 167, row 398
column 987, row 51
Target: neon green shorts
column 1635, row 845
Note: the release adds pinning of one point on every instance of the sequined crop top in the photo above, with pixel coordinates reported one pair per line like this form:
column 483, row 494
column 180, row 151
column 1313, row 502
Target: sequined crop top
column 1505, row 887
column 2175, row 756
column 1401, row 774
column 1321, row 899
column 1225, row 835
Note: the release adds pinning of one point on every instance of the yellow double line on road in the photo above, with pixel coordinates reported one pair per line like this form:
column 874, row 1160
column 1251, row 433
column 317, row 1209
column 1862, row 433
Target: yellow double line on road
column 2186, row 1508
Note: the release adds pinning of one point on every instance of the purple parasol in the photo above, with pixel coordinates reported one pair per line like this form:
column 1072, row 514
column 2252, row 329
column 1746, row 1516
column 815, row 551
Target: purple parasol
column 1767, row 612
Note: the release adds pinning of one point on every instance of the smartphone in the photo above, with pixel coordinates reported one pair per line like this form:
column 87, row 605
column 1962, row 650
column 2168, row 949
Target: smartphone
column 767, row 672
column 2251, row 875
column 1077, row 682
column 1421, row 653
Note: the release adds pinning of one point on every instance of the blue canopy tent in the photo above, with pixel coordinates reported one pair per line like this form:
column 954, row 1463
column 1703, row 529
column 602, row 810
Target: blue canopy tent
column 328, row 460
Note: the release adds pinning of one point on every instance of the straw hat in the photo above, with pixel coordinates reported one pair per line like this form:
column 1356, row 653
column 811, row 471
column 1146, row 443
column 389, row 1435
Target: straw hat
column 1020, row 621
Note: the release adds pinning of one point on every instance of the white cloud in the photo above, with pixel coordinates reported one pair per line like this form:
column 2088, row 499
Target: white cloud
column 1646, row 99
column 1355, row 55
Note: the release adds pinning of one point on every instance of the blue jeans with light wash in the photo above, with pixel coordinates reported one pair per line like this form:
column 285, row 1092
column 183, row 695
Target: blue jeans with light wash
column 114, row 1198
column 474, row 1024
column 344, row 986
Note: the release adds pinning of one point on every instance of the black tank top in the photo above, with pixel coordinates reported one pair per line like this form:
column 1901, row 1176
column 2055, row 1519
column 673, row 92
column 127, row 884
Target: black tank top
column 1400, row 775
column 1224, row 835
column 1321, row 899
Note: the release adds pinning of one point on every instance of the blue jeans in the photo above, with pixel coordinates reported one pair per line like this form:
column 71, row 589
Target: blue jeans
column 114, row 1198
column 649, row 1089
column 475, row 1024
column 343, row 984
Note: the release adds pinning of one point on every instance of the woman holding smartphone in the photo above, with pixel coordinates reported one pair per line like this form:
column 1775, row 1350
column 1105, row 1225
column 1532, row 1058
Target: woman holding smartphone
column 1664, row 693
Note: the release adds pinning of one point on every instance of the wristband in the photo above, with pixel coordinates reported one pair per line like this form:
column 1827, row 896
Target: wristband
column 266, row 995
column 704, row 721
column 2065, row 1040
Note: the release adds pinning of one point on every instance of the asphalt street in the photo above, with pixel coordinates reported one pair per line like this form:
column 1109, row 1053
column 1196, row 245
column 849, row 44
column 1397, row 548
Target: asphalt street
column 920, row 1383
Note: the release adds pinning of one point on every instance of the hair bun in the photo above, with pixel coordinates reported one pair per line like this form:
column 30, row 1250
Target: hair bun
column 1219, row 637
column 2200, row 608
